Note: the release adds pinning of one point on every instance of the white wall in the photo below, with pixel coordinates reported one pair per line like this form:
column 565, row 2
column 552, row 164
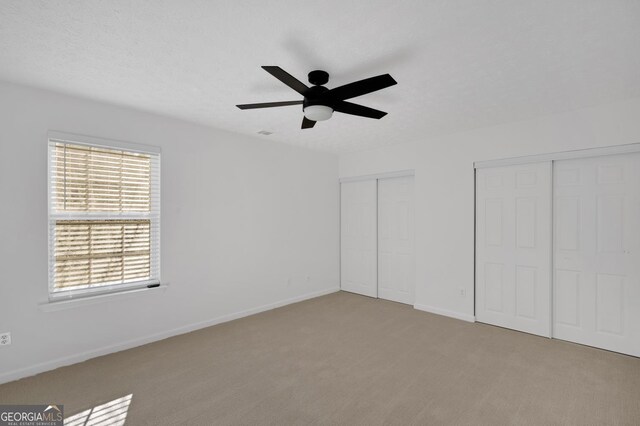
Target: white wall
column 240, row 218
column 444, row 186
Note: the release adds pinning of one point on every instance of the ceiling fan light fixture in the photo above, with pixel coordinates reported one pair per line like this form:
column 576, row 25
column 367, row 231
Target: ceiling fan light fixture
column 318, row 112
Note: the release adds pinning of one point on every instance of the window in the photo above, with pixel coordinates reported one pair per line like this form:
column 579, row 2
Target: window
column 104, row 216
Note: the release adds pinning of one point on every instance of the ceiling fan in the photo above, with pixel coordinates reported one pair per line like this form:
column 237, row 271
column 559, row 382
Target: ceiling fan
column 319, row 102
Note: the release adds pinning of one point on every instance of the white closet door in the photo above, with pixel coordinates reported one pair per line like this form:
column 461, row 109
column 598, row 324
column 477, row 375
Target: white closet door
column 358, row 250
column 597, row 252
column 396, row 268
column 513, row 247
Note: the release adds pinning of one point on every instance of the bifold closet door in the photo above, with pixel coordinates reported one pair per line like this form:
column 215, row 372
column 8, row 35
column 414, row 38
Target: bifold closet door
column 597, row 252
column 396, row 264
column 358, row 237
column 513, row 247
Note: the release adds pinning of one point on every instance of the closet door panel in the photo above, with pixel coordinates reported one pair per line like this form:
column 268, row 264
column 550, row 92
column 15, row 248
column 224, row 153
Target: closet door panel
column 513, row 247
column 597, row 252
column 358, row 237
column 396, row 259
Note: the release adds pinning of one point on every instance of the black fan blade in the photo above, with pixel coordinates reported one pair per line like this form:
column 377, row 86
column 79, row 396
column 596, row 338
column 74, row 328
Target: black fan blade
column 269, row 104
column 362, row 87
column 287, row 79
column 355, row 109
column 307, row 124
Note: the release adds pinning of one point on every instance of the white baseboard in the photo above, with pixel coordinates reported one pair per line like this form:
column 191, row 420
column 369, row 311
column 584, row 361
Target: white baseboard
column 73, row 359
column 445, row 312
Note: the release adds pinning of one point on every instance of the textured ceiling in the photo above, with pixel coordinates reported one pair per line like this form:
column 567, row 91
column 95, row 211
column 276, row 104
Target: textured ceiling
column 459, row 64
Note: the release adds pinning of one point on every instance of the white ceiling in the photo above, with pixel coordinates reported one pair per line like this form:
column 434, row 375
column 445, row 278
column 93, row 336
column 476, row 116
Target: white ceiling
column 460, row 64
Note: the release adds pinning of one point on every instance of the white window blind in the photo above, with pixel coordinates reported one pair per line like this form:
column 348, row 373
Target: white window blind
column 104, row 218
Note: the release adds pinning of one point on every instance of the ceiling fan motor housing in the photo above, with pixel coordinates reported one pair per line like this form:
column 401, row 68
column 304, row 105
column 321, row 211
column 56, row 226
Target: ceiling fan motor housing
column 315, row 95
column 316, row 105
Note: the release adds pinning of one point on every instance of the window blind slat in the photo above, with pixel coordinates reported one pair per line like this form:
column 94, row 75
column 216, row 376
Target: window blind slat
column 94, row 252
column 97, row 179
column 121, row 245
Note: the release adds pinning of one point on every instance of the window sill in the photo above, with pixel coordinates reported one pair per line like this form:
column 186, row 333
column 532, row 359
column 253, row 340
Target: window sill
column 60, row 305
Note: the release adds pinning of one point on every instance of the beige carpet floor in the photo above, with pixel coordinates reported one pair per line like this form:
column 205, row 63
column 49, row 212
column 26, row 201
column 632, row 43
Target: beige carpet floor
column 344, row 359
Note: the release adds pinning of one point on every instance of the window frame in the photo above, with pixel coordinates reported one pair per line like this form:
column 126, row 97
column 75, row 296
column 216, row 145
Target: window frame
column 153, row 216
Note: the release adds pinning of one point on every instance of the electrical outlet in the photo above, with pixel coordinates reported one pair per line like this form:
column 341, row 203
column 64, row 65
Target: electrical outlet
column 5, row 339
